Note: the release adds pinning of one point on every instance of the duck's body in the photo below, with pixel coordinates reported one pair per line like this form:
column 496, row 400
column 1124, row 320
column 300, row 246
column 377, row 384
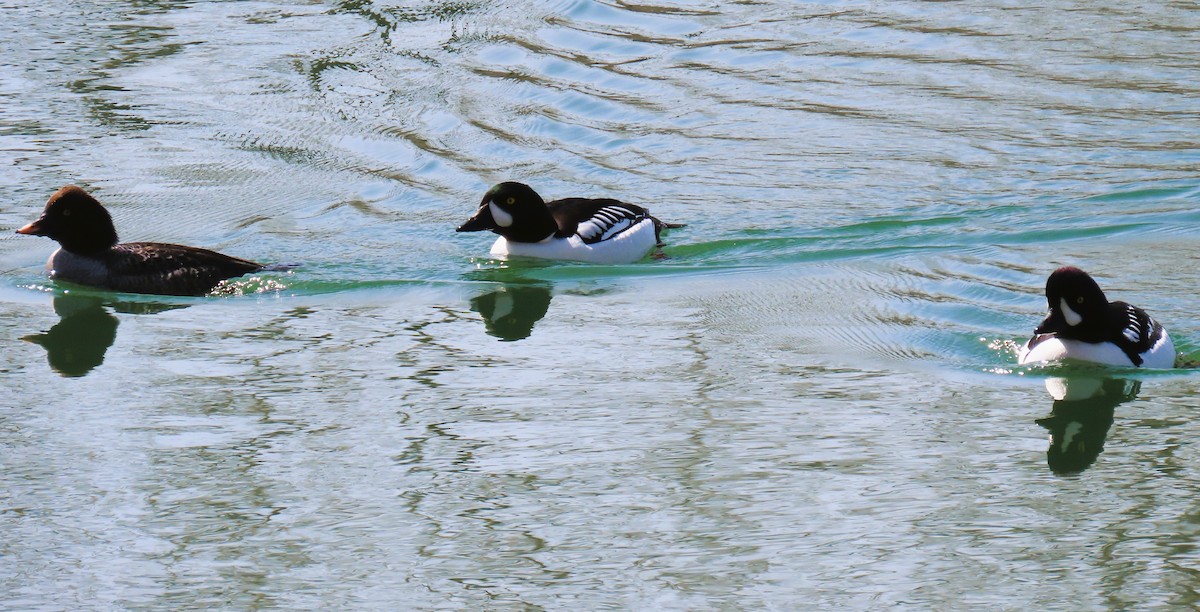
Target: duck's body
column 627, row 246
column 149, row 267
column 1049, row 347
column 1083, row 325
column 89, row 253
column 602, row 231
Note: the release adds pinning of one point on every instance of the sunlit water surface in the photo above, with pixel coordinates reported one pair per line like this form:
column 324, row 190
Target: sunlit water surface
column 809, row 399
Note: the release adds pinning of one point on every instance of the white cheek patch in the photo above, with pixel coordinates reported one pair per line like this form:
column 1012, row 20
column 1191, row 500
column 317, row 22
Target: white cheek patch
column 1073, row 318
column 501, row 218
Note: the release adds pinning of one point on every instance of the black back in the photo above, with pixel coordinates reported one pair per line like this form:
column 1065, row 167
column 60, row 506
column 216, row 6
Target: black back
column 170, row 269
column 596, row 219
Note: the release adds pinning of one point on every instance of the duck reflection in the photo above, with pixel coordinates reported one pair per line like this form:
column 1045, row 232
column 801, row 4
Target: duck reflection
column 78, row 342
column 1081, row 417
column 510, row 311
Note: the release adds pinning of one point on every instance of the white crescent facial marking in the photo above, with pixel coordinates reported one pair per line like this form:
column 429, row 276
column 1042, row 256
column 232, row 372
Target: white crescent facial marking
column 501, row 218
column 1073, row 318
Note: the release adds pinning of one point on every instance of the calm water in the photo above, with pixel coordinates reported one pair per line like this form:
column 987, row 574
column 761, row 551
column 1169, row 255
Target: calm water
column 808, row 402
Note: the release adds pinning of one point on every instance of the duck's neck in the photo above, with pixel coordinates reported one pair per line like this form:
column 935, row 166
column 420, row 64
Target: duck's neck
column 91, row 242
column 536, row 228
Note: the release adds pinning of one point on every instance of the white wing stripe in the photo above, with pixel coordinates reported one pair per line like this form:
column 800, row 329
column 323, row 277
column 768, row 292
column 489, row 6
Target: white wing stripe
column 617, row 229
column 1131, row 334
column 607, row 222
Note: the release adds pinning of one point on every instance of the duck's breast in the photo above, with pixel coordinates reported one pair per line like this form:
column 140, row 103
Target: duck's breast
column 67, row 266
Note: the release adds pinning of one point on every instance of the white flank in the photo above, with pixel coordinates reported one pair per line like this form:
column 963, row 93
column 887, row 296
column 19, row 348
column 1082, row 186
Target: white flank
column 501, row 218
column 627, row 247
column 1161, row 356
column 1073, row 318
column 1057, row 349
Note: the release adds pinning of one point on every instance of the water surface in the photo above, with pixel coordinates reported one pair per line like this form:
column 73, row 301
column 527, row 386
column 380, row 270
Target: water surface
column 808, row 401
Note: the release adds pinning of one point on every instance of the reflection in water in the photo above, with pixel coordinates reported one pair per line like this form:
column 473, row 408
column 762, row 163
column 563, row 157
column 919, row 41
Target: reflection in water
column 77, row 343
column 510, row 312
column 1080, row 418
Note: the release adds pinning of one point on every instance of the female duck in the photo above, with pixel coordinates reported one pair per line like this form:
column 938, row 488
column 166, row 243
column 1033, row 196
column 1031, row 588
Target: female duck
column 1083, row 325
column 90, row 254
column 602, row 231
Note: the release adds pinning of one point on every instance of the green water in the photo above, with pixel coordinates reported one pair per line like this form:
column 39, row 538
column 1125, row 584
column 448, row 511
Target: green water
column 809, row 400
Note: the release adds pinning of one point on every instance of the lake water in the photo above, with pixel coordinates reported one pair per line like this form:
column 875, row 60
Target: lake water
column 809, row 401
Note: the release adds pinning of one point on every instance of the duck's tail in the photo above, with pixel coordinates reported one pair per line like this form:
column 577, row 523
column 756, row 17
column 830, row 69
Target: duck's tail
column 283, row 267
column 660, row 225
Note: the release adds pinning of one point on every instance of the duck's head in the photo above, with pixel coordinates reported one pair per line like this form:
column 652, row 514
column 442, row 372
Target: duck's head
column 1076, row 302
column 515, row 211
column 75, row 220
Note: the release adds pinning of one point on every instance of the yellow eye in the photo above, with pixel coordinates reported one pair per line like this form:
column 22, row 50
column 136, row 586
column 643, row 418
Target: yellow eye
column 1079, row 300
column 510, row 201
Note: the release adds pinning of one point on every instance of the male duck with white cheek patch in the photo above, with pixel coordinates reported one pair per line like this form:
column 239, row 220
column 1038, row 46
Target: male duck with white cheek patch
column 1083, row 325
column 603, row 231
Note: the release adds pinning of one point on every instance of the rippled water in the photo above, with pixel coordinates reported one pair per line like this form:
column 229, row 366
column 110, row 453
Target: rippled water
column 809, row 401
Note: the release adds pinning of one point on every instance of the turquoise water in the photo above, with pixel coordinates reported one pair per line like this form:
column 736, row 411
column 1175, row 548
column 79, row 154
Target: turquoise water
column 809, row 400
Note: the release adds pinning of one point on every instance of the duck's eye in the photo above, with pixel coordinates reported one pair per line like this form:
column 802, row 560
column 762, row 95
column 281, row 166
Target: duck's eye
column 66, row 212
column 510, row 201
column 1079, row 300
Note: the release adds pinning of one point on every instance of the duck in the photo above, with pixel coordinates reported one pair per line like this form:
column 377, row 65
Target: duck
column 90, row 253
column 1083, row 325
column 600, row 231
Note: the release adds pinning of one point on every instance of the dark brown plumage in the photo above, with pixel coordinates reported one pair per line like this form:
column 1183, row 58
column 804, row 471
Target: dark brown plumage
column 91, row 255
